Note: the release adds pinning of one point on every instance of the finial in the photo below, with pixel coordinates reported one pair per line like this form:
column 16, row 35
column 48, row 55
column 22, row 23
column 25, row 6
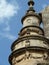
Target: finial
column 30, row 3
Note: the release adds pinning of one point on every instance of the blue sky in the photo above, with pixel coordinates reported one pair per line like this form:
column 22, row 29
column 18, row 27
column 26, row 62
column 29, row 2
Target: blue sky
column 11, row 12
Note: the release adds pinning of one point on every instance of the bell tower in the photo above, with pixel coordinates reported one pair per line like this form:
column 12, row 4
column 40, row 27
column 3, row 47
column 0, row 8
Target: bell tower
column 31, row 47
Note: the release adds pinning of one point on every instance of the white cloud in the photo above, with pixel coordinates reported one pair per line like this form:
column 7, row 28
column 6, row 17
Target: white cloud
column 7, row 9
column 8, row 36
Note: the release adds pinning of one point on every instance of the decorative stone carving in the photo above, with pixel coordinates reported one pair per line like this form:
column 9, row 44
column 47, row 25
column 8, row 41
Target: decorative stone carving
column 45, row 56
column 27, row 44
column 14, row 61
column 38, row 57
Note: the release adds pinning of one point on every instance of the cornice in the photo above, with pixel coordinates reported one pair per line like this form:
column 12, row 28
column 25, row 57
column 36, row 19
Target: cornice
column 42, row 38
column 37, row 27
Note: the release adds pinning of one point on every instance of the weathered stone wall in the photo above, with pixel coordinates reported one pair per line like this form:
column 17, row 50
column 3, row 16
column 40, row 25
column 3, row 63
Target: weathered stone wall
column 45, row 18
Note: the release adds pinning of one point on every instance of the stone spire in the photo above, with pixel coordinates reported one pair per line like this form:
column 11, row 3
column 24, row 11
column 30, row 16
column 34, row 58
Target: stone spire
column 31, row 47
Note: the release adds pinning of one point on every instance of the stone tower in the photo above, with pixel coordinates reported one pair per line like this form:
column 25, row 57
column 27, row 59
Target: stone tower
column 31, row 47
column 45, row 19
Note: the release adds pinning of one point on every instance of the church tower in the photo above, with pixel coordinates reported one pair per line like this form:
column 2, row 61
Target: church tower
column 31, row 47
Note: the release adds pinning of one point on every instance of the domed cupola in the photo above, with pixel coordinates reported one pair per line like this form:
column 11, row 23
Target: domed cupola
column 31, row 17
column 31, row 20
